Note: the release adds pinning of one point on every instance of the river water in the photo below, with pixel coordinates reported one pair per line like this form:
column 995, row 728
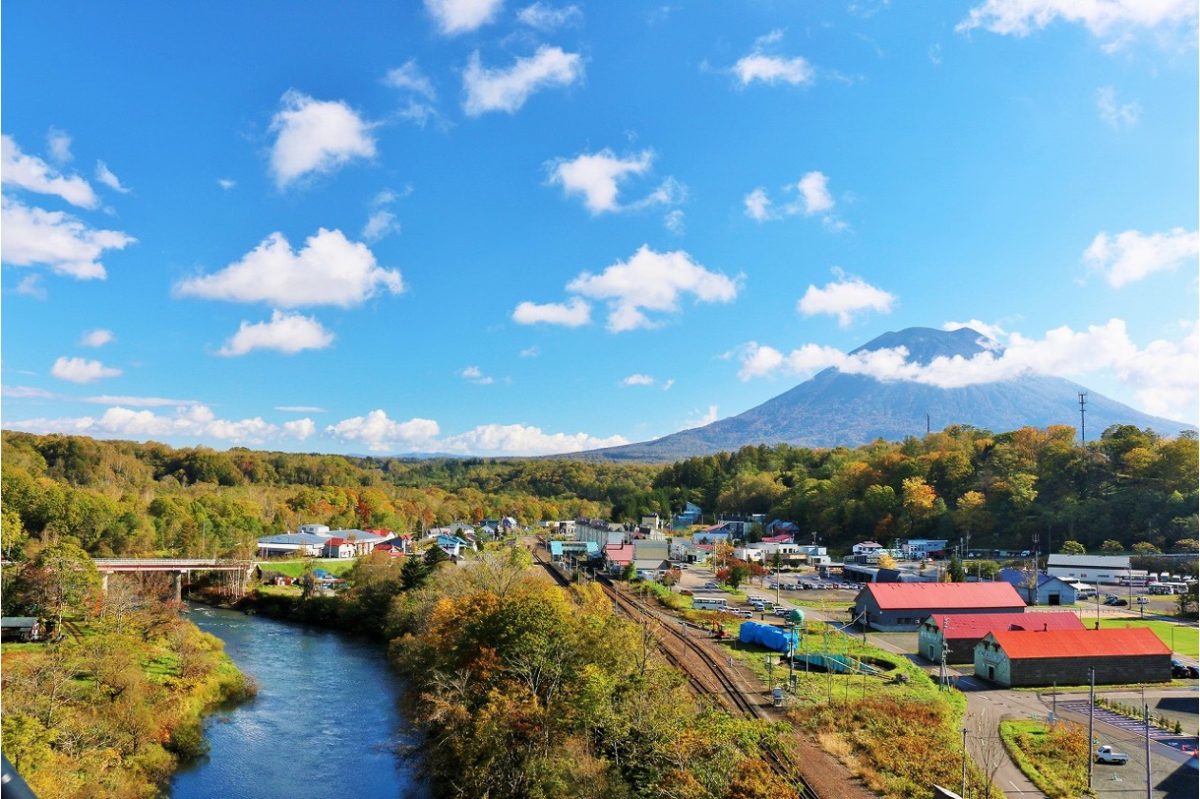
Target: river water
column 325, row 723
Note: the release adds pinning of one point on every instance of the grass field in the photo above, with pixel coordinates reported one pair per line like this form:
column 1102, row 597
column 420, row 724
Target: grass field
column 1054, row 759
column 1186, row 640
column 294, row 568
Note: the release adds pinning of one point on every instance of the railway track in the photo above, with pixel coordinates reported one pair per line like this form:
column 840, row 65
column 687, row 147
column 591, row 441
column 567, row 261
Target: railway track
column 705, row 674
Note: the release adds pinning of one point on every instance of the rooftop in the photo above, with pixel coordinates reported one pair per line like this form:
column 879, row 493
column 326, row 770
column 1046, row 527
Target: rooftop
column 977, row 625
column 903, row 596
column 1029, row 645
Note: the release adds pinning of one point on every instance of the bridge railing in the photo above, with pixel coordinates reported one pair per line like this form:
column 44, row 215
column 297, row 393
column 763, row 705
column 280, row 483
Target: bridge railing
column 183, row 563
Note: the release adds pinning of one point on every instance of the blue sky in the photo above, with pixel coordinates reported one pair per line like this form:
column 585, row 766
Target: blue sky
column 485, row 226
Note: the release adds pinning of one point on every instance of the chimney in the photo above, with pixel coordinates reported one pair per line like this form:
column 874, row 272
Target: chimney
column 1045, row 626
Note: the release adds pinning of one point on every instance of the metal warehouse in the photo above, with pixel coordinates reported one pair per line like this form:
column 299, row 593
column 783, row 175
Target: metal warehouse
column 1019, row 658
column 894, row 607
column 960, row 632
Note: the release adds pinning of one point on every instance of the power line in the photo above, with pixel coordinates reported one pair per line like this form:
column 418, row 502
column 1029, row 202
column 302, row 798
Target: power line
column 1082, row 423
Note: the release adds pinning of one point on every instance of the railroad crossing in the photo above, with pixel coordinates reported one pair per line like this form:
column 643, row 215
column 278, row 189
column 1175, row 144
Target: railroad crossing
column 176, row 567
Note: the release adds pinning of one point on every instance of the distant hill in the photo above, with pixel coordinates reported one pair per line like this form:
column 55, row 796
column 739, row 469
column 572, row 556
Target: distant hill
column 836, row 409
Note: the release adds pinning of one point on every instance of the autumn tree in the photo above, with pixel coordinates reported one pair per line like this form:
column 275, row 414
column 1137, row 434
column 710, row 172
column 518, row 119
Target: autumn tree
column 1073, row 548
column 1112, row 547
column 64, row 579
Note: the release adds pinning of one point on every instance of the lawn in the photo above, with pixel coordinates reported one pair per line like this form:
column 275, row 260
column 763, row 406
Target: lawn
column 1187, row 639
column 294, row 568
column 1053, row 758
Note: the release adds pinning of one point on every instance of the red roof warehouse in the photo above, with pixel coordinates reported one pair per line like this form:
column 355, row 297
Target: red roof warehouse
column 903, row 606
column 961, row 631
column 1036, row 657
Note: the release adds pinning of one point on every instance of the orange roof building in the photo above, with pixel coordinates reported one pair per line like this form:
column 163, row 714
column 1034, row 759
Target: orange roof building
column 1045, row 657
column 958, row 633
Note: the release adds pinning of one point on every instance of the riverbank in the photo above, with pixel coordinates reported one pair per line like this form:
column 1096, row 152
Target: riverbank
column 116, row 710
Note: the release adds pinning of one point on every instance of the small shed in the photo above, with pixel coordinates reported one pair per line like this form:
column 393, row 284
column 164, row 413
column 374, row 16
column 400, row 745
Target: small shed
column 960, row 632
column 20, row 628
column 1033, row 658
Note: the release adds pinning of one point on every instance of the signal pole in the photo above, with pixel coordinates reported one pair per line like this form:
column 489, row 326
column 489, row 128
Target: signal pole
column 1091, row 723
column 1082, row 425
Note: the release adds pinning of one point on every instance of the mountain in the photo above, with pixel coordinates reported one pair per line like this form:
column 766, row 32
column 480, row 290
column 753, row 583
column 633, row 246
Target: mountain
column 833, row 408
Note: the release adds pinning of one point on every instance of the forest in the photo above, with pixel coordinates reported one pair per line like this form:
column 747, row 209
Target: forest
column 1131, row 486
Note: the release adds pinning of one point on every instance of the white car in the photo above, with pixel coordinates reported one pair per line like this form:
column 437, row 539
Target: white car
column 1106, row 754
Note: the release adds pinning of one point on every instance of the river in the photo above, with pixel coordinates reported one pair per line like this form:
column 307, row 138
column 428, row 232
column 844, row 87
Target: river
column 325, row 723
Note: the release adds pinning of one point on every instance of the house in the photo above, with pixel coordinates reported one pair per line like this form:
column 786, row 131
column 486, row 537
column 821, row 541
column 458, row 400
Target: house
column 960, row 632
column 786, row 555
column 616, row 538
column 313, row 529
column 1110, row 569
column 1037, row 588
column 1044, row 657
column 453, row 545
column 618, row 556
column 779, row 527
column 689, row 516
column 403, row 542
column 867, row 548
column 685, row 551
column 20, row 628
column 749, row 553
column 814, row 554
column 652, row 522
column 781, row 538
column 646, row 549
column 390, row 549
column 923, row 548
column 338, row 548
column 711, row 535
column 291, row 545
column 896, row 607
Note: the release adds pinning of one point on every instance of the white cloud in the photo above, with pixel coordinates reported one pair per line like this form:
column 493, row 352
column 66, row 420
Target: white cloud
column 773, row 69
column 58, row 144
column 1102, row 18
column 138, row 402
column 55, row 239
column 300, row 408
column 226, row 183
column 409, row 77
column 570, row 314
column 674, row 221
column 994, row 332
column 31, row 286
column 475, row 375
column 192, row 422
column 666, row 386
column 758, row 205
column 97, row 338
column 844, row 298
column 508, row 89
column 26, row 392
column 33, row 174
column 1162, row 375
column 638, row 380
column 1132, row 255
column 378, row 433
column 462, row 16
column 516, row 439
column 1113, row 113
column 328, row 270
column 287, row 333
column 545, row 17
column 814, row 191
column 706, row 418
column 300, row 428
column 316, row 136
column 596, row 176
column 651, row 281
column 106, row 176
column 380, row 224
column 79, row 370
column 530, row 352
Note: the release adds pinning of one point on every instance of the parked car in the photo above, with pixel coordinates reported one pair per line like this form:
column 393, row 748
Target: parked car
column 1106, row 754
column 1193, row 672
column 711, row 585
column 1179, row 669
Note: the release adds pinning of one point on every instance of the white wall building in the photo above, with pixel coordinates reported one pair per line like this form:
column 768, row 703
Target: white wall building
column 1109, row 569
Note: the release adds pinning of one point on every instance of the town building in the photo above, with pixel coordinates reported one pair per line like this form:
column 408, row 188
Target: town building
column 689, row 516
column 960, row 632
column 895, row 607
column 712, row 535
column 867, row 549
column 684, row 551
column 1110, row 569
column 816, row 555
column 780, row 527
column 652, row 522
column 923, row 548
column 291, row 545
column 1014, row 658
column 617, row 557
column 1037, row 588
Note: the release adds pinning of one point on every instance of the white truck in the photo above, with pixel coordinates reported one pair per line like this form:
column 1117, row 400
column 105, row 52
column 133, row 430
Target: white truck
column 1106, row 754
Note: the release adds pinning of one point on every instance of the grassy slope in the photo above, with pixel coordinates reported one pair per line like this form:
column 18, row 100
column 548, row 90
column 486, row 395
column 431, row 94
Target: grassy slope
column 294, row 568
column 1042, row 757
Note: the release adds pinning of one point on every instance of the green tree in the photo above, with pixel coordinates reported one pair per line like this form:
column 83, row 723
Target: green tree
column 738, row 574
column 435, row 555
column 1073, row 548
column 1110, row 547
column 64, row 580
column 1185, row 545
column 413, row 573
column 1146, row 548
column 955, row 569
column 308, row 580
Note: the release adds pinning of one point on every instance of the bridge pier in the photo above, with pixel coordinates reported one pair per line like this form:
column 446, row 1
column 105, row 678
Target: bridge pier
column 104, row 582
column 177, row 583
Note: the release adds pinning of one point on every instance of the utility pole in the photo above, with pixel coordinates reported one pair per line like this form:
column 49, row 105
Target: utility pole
column 1146, row 719
column 1091, row 723
column 945, row 646
column 926, row 424
column 964, row 763
column 1082, row 424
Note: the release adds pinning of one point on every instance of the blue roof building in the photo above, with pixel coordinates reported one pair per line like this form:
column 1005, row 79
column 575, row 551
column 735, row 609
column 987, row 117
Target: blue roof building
column 1050, row 590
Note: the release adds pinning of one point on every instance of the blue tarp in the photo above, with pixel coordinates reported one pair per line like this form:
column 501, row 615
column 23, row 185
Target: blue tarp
column 765, row 635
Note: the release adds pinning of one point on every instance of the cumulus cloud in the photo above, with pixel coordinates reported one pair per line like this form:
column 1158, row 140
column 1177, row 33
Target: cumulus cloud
column 328, row 270
column 773, row 69
column 530, row 352
column 1130, row 256
column 138, row 402
column 651, row 281
column 31, row 173
column 31, row 286
column 191, row 423
column 844, row 298
column 300, row 408
column 58, row 144
column 758, row 205
column 106, row 176
column 473, row 374
column 316, row 136
column 1102, row 18
column 545, row 17
column 812, row 199
column 462, row 16
column 409, row 77
column 597, row 177
column 994, row 332
column 287, row 333
column 575, row 313
column 638, row 380
column 517, row 439
column 666, row 386
column 700, row 420
column 814, row 193
column 300, row 429
column 81, row 370
column 97, row 338
column 507, row 89
column 380, row 224
column 378, row 433
column 675, row 221
column 1114, row 113
column 55, row 239
column 226, row 183
column 1162, row 375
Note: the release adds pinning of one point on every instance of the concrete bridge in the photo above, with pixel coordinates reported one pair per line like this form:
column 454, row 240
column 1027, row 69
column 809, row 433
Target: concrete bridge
column 176, row 567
